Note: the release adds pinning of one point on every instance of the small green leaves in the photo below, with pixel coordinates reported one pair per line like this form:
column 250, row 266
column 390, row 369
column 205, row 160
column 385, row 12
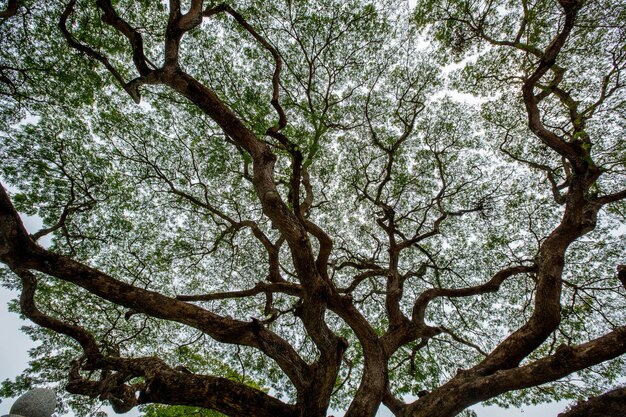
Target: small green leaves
column 155, row 410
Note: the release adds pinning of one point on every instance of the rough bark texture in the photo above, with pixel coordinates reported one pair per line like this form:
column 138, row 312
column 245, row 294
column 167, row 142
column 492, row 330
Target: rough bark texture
column 610, row 404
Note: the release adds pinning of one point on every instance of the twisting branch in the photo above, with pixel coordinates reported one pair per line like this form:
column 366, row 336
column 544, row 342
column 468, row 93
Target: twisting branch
column 572, row 151
column 419, row 309
column 20, row 252
column 259, row 288
column 282, row 118
column 111, row 385
column 135, row 39
column 324, row 240
column 290, row 224
column 274, row 131
column 30, row 310
column 131, row 88
column 189, row 20
column 547, row 61
column 218, row 393
column 163, row 384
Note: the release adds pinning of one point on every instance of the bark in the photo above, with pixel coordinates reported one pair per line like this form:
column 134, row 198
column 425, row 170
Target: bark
column 231, row 398
column 10, row 10
column 469, row 388
column 609, row 404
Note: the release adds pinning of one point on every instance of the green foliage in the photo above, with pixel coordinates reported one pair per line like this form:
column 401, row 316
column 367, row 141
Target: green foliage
column 155, row 410
column 416, row 112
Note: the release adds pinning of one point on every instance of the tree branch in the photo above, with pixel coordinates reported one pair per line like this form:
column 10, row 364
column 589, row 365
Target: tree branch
column 219, row 393
column 131, row 88
column 419, row 309
column 259, row 288
column 609, row 404
column 135, row 39
column 30, row 310
column 547, row 61
column 611, row 198
column 282, row 118
column 11, row 10
column 21, row 253
column 468, row 388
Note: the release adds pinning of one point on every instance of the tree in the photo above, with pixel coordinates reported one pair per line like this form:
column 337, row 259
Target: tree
column 275, row 208
column 154, row 410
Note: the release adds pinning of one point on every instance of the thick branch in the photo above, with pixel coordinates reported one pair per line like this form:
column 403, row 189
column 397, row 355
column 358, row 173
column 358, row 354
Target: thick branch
column 177, row 25
column 232, row 398
column 162, row 384
column 611, row 198
column 217, row 393
column 467, row 388
column 21, row 253
column 10, row 11
column 566, row 360
column 135, row 39
column 609, row 404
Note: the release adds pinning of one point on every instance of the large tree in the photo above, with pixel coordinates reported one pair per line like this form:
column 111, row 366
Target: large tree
column 279, row 208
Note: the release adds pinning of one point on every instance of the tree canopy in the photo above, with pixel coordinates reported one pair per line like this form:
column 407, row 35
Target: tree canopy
column 287, row 207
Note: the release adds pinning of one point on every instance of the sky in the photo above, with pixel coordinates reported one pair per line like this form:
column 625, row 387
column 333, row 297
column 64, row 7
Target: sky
column 14, row 346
